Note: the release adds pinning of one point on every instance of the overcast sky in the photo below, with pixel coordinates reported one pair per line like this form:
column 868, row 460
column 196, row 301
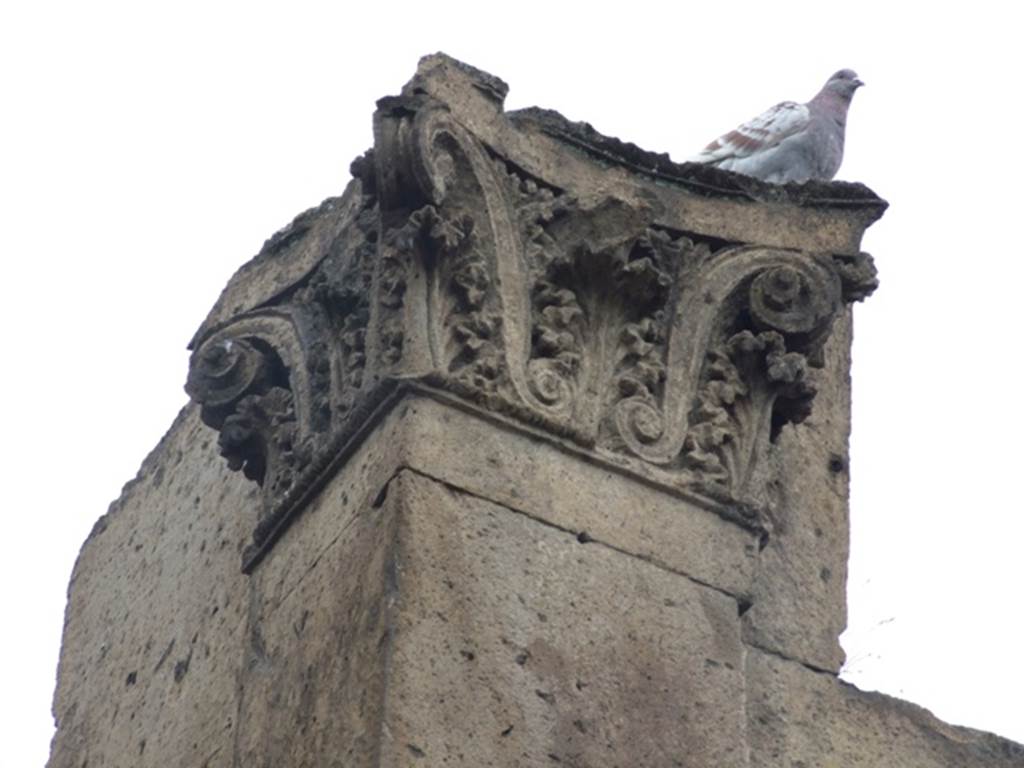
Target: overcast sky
column 148, row 149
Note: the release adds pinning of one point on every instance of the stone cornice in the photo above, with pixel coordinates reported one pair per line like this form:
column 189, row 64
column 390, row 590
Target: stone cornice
column 663, row 318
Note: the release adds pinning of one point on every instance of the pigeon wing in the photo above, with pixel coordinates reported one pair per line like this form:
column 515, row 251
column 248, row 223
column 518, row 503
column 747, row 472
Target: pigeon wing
column 763, row 132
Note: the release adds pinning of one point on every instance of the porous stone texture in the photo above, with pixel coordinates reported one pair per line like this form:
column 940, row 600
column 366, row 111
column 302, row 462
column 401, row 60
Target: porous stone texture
column 550, row 481
column 516, row 644
column 407, row 620
column 541, row 450
column 317, row 653
column 798, row 605
column 320, row 623
column 801, row 718
column 156, row 616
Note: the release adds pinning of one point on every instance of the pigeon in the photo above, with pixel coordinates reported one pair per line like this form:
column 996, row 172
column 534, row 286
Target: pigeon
column 790, row 141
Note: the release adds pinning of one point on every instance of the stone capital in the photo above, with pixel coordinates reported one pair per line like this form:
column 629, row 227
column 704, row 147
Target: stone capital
column 667, row 319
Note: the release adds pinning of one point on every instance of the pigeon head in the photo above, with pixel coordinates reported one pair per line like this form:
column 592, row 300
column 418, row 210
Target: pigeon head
column 843, row 83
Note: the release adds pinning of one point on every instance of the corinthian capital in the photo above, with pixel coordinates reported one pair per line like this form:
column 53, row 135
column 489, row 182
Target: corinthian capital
column 668, row 319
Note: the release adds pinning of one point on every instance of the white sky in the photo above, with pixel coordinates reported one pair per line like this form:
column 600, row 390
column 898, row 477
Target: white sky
column 148, row 149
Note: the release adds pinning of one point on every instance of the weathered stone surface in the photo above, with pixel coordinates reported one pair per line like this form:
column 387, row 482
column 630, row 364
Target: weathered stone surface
column 156, row 616
column 798, row 605
column 546, row 479
column 317, row 662
column 801, row 718
column 320, row 619
column 546, row 438
column 344, row 497
column 715, row 203
column 515, row 644
column 541, row 271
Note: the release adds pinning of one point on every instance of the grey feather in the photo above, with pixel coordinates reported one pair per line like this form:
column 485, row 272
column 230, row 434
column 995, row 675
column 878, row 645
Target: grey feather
column 790, row 141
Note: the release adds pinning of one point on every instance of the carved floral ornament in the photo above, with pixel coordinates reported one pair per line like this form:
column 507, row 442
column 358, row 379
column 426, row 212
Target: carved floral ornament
column 577, row 314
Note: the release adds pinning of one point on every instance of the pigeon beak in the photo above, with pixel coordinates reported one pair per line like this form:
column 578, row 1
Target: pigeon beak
column 859, row 83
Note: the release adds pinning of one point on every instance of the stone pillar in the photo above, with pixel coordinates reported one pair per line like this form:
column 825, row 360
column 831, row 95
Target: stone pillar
column 541, row 452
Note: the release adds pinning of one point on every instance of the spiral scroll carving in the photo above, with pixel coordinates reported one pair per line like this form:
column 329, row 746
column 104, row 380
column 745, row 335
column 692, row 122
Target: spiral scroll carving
column 640, row 419
column 222, row 373
column 720, row 400
column 798, row 300
column 551, row 383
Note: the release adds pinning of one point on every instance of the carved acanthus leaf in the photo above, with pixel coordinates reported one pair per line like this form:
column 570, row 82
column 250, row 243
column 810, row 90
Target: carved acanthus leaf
column 594, row 272
column 340, row 289
column 858, row 275
column 793, row 295
column 750, row 385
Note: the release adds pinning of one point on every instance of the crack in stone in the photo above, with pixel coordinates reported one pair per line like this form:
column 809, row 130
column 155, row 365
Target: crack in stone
column 779, row 655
